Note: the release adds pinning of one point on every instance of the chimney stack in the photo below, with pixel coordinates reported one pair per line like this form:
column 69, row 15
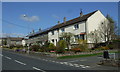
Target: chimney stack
column 64, row 19
column 40, row 29
column 33, row 31
column 58, row 22
column 81, row 13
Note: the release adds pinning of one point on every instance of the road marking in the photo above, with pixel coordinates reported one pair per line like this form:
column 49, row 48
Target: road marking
column 20, row 62
column 82, row 65
column 71, row 64
column 38, row 69
column 7, row 57
column 61, row 62
column 77, row 66
column 87, row 66
column 46, row 60
column 53, row 61
column 1, row 55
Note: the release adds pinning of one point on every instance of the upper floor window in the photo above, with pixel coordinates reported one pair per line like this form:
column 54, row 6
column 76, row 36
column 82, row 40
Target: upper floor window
column 52, row 32
column 76, row 26
column 63, row 29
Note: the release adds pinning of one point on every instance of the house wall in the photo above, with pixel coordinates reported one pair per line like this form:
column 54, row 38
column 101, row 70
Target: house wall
column 93, row 22
column 38, row 38
column 70, row 28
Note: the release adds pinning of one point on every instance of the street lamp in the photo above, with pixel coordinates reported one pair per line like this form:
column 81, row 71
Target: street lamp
column 25, row 16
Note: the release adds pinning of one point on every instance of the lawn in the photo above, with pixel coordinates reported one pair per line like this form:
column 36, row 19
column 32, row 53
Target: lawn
column 84, row 55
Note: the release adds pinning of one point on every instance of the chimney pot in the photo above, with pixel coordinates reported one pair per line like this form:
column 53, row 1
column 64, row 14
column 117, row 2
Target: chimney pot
column 64, row 19
column 58, row 22
column 33, row 31
column 81, row 14
column 40, row 29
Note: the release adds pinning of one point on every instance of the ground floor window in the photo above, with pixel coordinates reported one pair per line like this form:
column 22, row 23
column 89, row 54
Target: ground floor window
column 82, row 36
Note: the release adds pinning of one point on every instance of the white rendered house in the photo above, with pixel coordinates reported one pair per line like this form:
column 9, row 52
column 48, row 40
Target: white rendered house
column 79, row 26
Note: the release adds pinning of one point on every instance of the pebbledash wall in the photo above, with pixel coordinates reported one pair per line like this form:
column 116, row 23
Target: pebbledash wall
column 86, row 27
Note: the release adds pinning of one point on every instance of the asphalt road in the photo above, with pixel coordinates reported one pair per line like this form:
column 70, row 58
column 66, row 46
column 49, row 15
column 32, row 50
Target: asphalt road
column 15, row 61
column 12, row 61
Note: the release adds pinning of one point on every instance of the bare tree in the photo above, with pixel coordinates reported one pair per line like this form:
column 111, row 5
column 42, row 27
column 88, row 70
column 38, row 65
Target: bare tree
column 94, row 37
column 107, row 29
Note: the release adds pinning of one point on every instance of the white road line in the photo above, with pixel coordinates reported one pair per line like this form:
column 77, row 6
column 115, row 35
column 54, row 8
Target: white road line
column 71, row 64
column 57, row 62
column 61, row 62
column 53, row 61
column 38, row 69
column 88, row 66
column 20, row 62
column 1, row 55
column 46, row 60
column 76, row 64
column 81, row 65
column 66, row 63
column 7, row 57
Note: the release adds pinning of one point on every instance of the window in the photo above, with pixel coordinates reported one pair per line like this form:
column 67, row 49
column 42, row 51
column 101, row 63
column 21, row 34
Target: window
column 52, row 32
column 77, row 36
column 76, row 26
column 63, row 30
column 52, row 40
column 82, row 36
column 61, row 38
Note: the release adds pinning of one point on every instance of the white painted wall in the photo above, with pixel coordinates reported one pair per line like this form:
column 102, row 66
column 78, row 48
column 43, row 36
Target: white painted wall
column 94, row 21
column 70, row 28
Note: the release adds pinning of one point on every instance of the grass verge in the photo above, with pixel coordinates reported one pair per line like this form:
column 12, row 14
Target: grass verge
column 77, row 56
column 85, row 55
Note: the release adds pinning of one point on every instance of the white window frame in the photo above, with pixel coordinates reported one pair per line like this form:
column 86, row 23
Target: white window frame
column 76, row 26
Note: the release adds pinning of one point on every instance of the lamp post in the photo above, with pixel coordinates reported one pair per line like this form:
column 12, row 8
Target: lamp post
column 28, row 44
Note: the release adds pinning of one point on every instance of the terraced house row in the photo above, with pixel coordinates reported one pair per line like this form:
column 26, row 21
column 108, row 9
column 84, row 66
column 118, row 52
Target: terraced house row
column 79, row 26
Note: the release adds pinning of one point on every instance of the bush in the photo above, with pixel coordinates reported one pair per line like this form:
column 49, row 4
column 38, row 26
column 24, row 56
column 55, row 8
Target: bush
column 102, row 48
column 76, row 50
column 19, row 46
column 110, row 46
column 82, row 45
column 61, row 45
column 12, row 46
column 52, row 47
column 34, row 47
column 105, row 48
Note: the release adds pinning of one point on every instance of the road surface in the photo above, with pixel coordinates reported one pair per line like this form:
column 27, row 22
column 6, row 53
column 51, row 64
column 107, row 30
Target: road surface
column 15, row 61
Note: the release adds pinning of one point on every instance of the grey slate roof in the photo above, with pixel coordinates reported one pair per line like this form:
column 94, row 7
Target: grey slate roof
column 67, row 23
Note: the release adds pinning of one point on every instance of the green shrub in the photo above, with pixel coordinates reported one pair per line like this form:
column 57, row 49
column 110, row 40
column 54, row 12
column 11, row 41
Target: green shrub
column 110, row 46
column 52, row 47
column 34, row 47
column 61, row 45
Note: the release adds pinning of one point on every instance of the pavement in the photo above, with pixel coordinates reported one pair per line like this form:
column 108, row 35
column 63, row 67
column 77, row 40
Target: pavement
column 15, row 61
